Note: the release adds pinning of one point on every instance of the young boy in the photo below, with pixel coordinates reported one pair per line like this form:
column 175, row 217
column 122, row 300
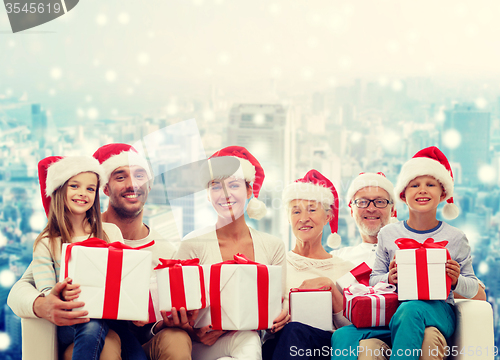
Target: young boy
column 424, row 182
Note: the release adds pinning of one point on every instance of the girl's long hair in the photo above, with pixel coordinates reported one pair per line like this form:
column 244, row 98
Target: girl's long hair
column 59, row 225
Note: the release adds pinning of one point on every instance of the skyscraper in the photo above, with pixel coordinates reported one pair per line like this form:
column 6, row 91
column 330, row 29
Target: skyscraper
column 262, row 129
column 472, row 152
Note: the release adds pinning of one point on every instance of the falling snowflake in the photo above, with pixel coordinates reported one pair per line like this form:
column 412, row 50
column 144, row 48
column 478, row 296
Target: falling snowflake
column 397, row 85
column 224, row 58
column 483, row 268
column 487, row 174
column 56, row 73
column 123, row 18
column 88, row 98
column 143, row 58
column 208, row 115
column 92, row 113
column 307, row 74
column 80, row 112
column 101, row 19
column 259, row 119
column 4, row 341
column 7, row 277
column 110, row 76
column 481, row 103
column 52, row 92
column 452, row 138
column 11, row 43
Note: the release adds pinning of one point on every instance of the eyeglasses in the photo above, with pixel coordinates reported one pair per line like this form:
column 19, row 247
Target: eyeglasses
column 378, row 203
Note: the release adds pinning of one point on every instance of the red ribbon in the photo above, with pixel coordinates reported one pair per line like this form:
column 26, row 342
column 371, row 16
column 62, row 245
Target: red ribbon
column 421, row 262
column 177, row 292
column 362, row 273
column 113, row 271
column 262, row 291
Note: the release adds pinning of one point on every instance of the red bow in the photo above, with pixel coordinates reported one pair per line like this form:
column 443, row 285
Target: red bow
column 166, row 263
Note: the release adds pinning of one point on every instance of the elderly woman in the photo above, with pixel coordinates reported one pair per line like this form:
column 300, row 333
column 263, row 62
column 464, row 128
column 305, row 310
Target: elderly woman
column 311, row 203
column 231, row 175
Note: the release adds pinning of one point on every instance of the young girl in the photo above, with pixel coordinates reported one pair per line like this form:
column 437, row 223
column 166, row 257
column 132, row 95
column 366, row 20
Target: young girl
column 70, row 195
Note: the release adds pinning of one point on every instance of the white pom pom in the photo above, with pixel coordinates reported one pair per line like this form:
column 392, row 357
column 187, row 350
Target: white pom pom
column 334, row 241
column 393, row 220
column 256, row 209
column 450, row 211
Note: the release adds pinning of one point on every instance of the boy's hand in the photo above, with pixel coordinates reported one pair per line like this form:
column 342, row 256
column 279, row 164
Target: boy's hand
column 393, row 272
column 453, row 271
column 71, row 291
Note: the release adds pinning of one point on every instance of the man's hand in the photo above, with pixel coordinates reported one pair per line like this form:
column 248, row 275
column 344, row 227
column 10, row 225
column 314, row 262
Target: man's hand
column 393, row 272
column 71, row 291
column 181, row 319
column 53, row 309
column 206, row 335
column 278, row 323
column 453, row 271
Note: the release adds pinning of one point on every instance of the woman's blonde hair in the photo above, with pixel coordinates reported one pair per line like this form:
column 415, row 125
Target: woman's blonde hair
column 59, row 225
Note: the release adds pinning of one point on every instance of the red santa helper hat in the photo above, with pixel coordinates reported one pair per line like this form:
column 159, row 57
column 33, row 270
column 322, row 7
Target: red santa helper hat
column 374, row 180
column 314, row 186
column 239, row 162
column 113, row 156
column 54, row 171
column 429, row 161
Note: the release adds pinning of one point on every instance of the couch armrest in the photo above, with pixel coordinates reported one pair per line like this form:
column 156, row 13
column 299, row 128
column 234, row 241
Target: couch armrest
column 474, row 335
column 39, row 339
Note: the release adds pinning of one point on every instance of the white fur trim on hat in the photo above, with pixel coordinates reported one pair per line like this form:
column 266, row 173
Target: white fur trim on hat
column 245, row 171
column 421, row 166
column 67, row 167
column 307, row 191
column 125, row 158
column 369, row 179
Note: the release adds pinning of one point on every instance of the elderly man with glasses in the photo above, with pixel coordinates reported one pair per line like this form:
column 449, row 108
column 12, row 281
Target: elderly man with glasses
column 370, row 197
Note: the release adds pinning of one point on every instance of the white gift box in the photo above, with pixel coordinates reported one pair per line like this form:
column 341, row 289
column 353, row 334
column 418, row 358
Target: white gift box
column 312, row 307
column 124, row 295
column 431, row 282
column 185, row 288
column 239, row 302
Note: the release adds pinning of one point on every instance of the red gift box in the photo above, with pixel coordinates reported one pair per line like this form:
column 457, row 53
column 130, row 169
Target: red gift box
column 359, row 275
column 370, row 306
column 422, row 270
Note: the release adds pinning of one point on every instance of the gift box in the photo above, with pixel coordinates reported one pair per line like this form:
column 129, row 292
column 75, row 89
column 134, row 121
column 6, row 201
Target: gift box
column 370, row 306
column 422, row 270
column 359, row 275
column 312, row 307
column 113, row 278
column 180, row 284
column 242, row 295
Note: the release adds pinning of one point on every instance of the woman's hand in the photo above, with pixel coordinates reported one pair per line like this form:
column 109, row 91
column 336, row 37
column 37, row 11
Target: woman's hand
column 278, row 323
column 206, row 335
column 71, row 291
column 393, row 272
column 317, row 283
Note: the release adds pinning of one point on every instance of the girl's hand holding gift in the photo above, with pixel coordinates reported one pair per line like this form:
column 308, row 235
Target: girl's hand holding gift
column 71, row 291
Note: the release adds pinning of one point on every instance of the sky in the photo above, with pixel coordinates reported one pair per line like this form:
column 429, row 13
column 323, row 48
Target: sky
column 136, row 55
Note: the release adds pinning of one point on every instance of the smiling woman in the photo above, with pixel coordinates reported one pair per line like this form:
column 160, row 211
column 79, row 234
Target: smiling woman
column 311, row 203
column 231, row 176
